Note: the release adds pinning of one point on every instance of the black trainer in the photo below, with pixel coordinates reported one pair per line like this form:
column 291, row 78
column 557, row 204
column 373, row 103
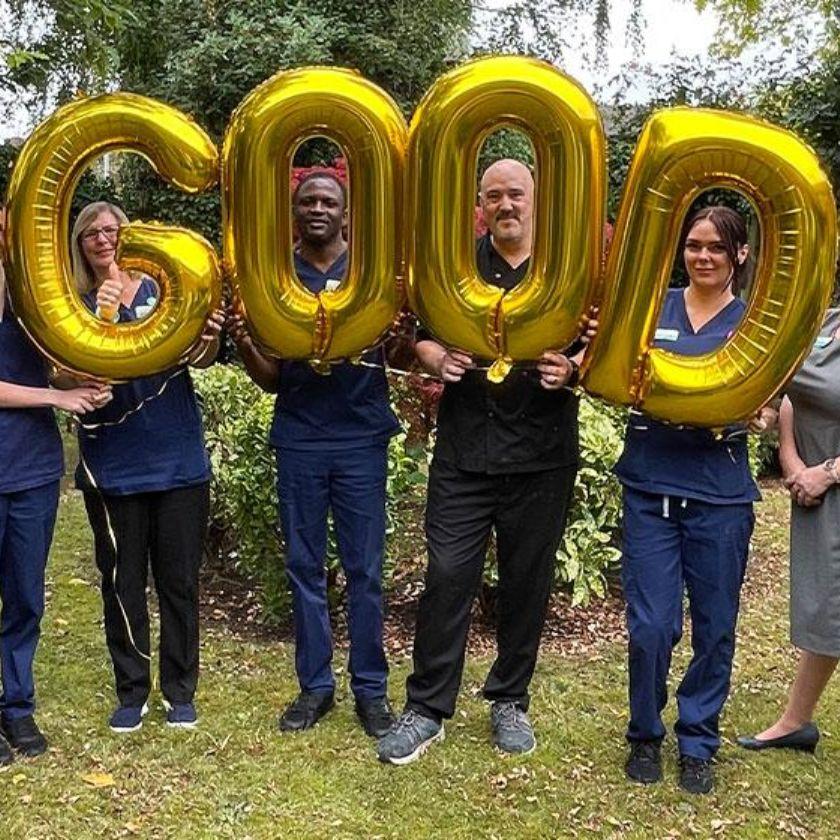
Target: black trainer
column 696, row 774
column 24, row 736
column 644, row 764
column 305, row 711
column 376, row 716
column 6, row 755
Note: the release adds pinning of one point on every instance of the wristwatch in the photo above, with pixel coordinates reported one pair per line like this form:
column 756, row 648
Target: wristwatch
column 830, row 466
column 574, row 378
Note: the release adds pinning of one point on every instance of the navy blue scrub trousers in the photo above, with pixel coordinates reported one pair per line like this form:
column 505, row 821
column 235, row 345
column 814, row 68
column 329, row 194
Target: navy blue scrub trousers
column 351, row 483
column 672, row 545
column 27, row 519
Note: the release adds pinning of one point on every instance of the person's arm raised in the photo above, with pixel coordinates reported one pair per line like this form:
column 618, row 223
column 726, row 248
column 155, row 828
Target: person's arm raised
column 264, row 370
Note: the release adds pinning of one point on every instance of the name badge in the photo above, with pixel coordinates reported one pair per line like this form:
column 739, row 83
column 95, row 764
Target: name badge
column 666, row 335
column 822, row 341
column 141, row 311
column 331, row 285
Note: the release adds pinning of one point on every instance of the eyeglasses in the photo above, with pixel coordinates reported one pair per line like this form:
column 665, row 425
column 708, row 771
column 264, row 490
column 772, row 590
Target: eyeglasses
column 110, row 232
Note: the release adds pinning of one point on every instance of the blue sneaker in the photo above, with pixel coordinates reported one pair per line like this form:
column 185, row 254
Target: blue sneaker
column 128, row 718
column 181, row 715
column 410, row 736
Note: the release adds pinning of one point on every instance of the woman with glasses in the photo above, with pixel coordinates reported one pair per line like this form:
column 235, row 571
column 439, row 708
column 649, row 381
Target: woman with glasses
column 688, row 516
column 145, row 476
column 32, row 461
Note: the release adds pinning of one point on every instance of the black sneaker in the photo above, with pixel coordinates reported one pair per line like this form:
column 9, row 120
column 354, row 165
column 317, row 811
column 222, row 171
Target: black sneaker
column 305, row 711
column 410, row 736
column 6, row 754
column 376, row 716
column 24, row 736
column 512, row 731
column 696, row 774
column 644, row 764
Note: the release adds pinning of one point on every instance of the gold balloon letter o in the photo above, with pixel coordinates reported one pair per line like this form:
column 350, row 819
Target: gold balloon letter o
column 285, row 318
column 39, row 196
column 445, row 135
column 681, row 153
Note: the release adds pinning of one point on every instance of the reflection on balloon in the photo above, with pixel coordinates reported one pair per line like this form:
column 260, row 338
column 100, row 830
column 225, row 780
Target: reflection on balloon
column 41, row 280
column 681, row 153
column 284, row 317
column 457, row 114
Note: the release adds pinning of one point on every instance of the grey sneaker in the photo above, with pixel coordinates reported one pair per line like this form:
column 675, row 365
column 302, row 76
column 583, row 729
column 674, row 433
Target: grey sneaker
column 409, row 737
column 512, row 731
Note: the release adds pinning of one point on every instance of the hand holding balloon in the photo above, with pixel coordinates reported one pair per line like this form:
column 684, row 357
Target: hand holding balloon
column 454, row 364
column 555, row 370
column 208, row 346
column 83, row 399
column 237, row 329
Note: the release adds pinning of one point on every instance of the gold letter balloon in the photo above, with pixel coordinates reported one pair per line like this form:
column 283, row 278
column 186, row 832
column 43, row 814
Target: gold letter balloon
column 446, row 133
column 681, row 153
column 41, row 279
column 429, row 238
column 285, row 318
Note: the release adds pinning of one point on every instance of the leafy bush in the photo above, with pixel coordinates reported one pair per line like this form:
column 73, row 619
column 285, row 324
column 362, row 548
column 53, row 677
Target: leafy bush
column 244, row 529
column 244, row 523
column 589, row 548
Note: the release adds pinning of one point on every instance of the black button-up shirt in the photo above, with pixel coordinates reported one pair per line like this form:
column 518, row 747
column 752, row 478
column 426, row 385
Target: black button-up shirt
column 515, row 426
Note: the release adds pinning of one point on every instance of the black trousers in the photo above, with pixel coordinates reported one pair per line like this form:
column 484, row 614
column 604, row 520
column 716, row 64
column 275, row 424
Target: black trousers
column 528, row 512
column 167, row 529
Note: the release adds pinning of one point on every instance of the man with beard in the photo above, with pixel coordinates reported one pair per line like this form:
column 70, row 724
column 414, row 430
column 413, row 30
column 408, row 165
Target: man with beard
column 505, row 460
column 330, row 434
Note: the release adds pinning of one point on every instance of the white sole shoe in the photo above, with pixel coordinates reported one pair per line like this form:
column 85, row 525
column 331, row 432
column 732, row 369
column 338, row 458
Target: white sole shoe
column 421, row 748
column 124, row 730
column 167, row 706
column 182, row 724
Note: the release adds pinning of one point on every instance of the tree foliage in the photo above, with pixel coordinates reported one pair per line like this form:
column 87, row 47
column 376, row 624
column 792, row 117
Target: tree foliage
column 550, row 29
column 804, row 24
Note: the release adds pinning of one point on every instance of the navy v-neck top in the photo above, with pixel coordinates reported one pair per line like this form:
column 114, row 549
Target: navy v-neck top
column 158, row 447
column 349, row 408
column 680, row 461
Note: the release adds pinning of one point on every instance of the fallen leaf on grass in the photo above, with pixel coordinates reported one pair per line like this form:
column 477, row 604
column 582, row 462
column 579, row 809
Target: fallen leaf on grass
column 77, row 582
column 99, row 780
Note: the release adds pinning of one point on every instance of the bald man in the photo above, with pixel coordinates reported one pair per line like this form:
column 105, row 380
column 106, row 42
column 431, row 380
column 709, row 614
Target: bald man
column 505, row 460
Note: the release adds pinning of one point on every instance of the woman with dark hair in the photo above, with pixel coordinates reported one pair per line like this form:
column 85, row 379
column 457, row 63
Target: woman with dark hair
column 688, row 518
column 145, row 476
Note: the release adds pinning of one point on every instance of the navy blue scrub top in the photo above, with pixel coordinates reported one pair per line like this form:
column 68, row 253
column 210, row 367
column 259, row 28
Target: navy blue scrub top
column 347, row 408
column 30, row 445
column 159, row 447
column 680, row 461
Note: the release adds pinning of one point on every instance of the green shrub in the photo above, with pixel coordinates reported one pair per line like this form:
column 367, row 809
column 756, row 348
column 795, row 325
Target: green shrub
column 244, row 529
column 590, row 543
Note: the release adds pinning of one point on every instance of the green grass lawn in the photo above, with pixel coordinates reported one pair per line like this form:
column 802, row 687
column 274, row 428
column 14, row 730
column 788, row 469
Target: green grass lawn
column 237, row 776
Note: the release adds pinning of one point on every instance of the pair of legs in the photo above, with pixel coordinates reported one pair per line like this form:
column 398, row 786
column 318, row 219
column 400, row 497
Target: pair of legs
column 27, row 520
column 351, row 484
column 672, row 545
column 166, row 530
column 528, row 512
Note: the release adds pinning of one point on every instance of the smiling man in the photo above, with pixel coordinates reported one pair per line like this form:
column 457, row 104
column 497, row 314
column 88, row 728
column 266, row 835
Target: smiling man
column 331, row 437
column 505, row 460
